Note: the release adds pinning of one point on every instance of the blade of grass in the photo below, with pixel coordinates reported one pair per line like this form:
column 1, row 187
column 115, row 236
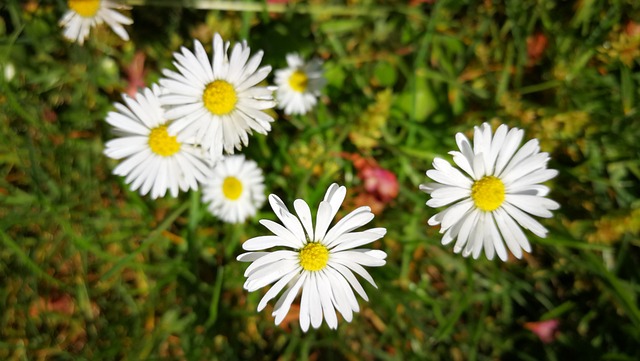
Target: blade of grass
column 215, row 298
column 615, row 287
column 27, row 261
column 147, row 242
column 193, row 243
column 627, row 89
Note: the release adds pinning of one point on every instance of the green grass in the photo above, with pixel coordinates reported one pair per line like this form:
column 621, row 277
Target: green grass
column 92, row 271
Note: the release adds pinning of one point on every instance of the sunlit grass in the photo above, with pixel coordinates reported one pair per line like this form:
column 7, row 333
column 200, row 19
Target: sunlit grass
column 92, row 271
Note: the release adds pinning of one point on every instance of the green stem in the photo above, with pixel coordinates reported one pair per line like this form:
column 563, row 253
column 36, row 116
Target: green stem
column 232, row 237
column 215, row 298
column 193, row 243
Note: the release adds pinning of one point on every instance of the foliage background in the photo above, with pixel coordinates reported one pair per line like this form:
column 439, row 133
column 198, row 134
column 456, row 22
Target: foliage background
column 92, row 271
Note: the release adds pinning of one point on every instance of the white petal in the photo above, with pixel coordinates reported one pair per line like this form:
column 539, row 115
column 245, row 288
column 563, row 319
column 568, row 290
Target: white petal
column 284, row 302
column 272, row 257
column 482, row 142
column 271, row 273
column 525, row 167
column 467, row 152
column 344, row 299
column 323, row 219
column 358, row 257
column 335, row 196
column 304, row 213
column 477, row 237
column 315, row 307
column 468, row 225
column 541, row 175
column 509, row 146
column 446, row 174
column 357, row 268
column 516, row 232
column 525, row 220
column 528, row 149
column 349, row 276
column 507, row 235
column 446, row 195
column 478, row 166
column 538, row 206
column 357, row 218
column 326, row 294
column 454, row 213
column 275, row 289
column 462, row 162
column 357, row 239
column 251, row 256
column 305, row 307
column 494, row 237
column 264, row 242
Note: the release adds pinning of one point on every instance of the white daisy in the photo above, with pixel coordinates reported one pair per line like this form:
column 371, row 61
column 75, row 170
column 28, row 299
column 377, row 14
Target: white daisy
column 236, row 189
column 299, row 85
column 319, row 261
column 155, row 161
column 502, row 186
column 84, row 14
column 218, row 103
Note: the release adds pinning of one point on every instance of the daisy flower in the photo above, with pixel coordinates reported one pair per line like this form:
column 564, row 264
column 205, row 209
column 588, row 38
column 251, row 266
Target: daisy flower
column 84, row 14
column 299, row 85
column 235, row 191
column 320, row 261
column 153, row 160
column 495, row 198
column 218, row 102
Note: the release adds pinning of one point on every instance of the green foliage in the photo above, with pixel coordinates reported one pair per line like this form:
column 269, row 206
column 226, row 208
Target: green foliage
column 92, row 271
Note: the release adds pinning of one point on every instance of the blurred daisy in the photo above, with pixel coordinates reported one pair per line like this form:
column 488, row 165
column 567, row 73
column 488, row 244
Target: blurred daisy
column 153, row 160
column 299, row 85
column 84, row 14
column 236, row 189
column 319, row 261
column 495, row 199
column 219, row 104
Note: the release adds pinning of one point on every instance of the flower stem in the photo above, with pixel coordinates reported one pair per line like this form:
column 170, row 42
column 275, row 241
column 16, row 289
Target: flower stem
column 215, row 298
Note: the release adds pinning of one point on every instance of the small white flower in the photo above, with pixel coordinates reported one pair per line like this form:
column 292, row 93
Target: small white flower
column 155, row 161
column 9, row 71
column 492, row 202
column 84, row 14
column 236, row 189
column 299, row 85
column 218, row 103
column 320, row 261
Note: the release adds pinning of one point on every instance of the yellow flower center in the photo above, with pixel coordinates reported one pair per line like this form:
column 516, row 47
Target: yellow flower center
column 488, row 193
column 84, row 8
column 314, row 256
column 232, row 188
column 220, row 97
column 298, row 81
column 162, row 143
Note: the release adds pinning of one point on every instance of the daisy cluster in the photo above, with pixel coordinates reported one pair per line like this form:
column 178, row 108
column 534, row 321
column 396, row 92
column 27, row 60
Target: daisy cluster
column 182, row 134
column 172, row 136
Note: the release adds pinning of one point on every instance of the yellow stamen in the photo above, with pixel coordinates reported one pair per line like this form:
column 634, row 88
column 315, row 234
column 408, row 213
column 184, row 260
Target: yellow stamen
column 488, row 193
column 84, row 8
column 220, row 97
column 314, row 256
column 162, row 143
column 298, row 81
column 232, row 188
